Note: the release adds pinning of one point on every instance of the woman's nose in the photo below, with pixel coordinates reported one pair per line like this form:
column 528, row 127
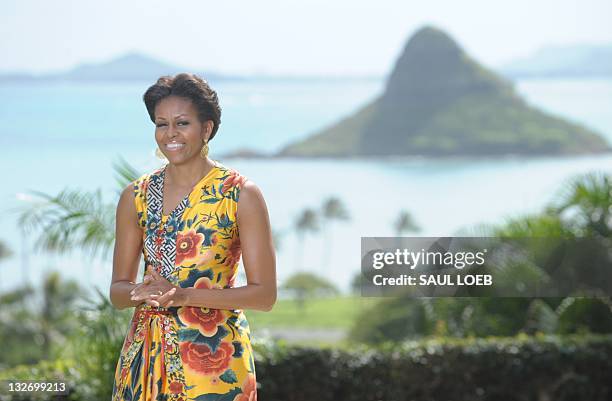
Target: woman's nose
column 172, row 130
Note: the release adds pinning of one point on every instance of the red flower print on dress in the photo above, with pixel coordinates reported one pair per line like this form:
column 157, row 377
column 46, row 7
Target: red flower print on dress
column 232, row 180
column 188, row 245
column 176, row 387
column 249, row 389
column 204, row 319
column 233, row 253
column 199, row 357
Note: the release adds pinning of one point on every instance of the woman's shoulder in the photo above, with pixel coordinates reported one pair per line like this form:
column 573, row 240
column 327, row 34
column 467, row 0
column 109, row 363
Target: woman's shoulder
column 140, row 185
column 231, row 179
column 141, row 182
column 139, row 190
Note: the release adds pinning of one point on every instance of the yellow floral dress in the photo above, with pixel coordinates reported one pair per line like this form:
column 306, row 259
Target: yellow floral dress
column 189, row 353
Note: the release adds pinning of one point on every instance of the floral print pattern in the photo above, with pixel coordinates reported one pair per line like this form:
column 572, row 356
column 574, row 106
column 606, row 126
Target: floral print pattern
column 188, row 245
column 189, row 353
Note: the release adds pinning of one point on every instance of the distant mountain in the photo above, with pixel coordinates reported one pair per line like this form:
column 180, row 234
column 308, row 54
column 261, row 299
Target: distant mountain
column 135, row 66
column 438, row 101
column 132, row 66
column 563, row 61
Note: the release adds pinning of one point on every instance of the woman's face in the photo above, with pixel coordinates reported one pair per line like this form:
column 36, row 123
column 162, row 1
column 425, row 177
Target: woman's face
column 178, row 131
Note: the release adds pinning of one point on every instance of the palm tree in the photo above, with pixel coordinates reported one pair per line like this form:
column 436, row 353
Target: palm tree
column 307, row 221
column 405, row 223
column 69, row 220
column 333, row 209
column 587, row 199
column 75, row 219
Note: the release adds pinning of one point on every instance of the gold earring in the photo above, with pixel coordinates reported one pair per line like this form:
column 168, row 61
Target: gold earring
column 159, row 154
column 204, row 150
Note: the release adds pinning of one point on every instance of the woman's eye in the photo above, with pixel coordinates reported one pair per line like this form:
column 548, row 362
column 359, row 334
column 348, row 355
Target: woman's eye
column 180, row 122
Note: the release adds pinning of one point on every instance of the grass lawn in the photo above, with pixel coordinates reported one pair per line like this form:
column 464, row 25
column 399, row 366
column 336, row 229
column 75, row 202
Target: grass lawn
column 337, row 312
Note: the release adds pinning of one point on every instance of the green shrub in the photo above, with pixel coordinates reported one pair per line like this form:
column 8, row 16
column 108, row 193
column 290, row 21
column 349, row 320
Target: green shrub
column 514, row 368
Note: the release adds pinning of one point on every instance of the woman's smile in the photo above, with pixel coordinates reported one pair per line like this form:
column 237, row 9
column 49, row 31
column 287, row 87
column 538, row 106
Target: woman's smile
column 175, row 146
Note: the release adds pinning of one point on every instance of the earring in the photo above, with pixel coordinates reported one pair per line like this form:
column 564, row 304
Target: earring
column 159, row 154
column 204, row 150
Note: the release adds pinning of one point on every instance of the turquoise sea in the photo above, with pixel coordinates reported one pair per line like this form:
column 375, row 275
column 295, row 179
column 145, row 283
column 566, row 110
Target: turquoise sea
column 62, row 135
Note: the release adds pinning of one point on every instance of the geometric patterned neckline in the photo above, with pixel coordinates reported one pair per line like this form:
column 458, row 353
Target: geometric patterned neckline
column 197, row 185
column 160, row 240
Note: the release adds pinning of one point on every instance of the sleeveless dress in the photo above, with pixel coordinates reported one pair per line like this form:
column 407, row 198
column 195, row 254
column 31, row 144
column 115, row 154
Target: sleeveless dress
column 189, row 353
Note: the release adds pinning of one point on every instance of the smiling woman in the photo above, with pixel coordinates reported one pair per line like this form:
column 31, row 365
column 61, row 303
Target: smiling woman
column 189, row 337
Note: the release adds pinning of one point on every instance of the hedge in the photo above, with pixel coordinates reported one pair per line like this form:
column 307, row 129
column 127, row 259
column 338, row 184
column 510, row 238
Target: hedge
column 540, row 368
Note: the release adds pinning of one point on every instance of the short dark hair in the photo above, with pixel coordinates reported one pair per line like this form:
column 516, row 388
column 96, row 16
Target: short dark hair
column 189, row 86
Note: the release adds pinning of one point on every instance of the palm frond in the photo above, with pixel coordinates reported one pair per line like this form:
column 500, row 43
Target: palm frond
column 72, row 219
column 124, row 173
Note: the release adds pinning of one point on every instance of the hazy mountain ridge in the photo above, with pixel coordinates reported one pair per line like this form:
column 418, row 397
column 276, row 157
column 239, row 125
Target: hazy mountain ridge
column 132, row 66
column 575, row 61
column 136, row 66
column 547, row 62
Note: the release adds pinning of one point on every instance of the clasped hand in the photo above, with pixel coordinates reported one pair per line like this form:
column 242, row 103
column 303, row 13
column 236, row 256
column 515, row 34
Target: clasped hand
column 154, row 290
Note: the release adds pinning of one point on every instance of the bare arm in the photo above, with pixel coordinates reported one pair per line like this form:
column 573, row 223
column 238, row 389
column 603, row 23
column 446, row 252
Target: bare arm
column 259, row 262
column 128, row 247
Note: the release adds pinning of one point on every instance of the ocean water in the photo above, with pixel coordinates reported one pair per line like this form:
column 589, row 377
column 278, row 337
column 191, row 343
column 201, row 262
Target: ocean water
column 57, row 136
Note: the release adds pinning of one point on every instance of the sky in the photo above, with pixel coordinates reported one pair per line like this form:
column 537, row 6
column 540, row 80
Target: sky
column 313, row 37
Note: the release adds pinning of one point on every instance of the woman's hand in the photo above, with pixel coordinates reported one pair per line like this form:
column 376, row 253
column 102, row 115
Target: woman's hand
column 155, row 290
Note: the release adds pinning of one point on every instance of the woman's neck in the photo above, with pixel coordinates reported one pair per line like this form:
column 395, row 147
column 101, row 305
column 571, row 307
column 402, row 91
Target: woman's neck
column 188, row 174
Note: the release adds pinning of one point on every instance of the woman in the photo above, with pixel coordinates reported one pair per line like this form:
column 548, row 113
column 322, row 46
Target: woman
column 192, row 219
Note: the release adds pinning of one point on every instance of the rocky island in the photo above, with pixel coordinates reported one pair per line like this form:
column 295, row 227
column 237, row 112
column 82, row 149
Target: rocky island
column 438, row 101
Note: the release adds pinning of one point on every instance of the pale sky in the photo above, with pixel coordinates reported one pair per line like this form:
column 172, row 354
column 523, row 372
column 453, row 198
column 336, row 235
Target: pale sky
column 312, row 37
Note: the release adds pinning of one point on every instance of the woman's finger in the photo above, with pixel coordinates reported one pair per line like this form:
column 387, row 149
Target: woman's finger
column 139, row 291
column 169, row 303
column 149, row 291
column 152, row 302
column 148, row 279
column 162, row 299
column 142, row 292
column 136, row 289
